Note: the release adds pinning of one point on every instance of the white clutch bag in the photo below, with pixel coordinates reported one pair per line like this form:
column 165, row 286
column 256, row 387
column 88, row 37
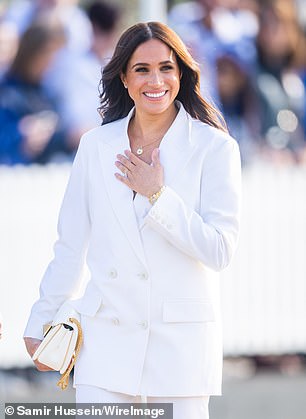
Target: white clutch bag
column 62, row 342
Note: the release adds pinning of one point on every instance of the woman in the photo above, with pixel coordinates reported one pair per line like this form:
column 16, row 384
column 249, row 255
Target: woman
column 239, row 103
column 30, row 129
column 280, row 48
column 154, row 232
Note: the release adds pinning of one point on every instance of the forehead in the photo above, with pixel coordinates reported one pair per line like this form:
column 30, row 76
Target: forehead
column 152, row 51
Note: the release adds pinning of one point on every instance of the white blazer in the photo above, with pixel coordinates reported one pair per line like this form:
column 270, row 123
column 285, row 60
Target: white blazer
column 151, row 310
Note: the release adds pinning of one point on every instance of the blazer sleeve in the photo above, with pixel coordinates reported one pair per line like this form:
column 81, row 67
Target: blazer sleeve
column 209, row 235
column 63, row 275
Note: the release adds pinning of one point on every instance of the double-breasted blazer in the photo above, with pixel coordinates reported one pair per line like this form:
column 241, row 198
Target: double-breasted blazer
column 151, row 309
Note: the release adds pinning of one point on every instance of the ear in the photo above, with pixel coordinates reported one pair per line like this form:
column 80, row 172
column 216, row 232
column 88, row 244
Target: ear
column 122, row 77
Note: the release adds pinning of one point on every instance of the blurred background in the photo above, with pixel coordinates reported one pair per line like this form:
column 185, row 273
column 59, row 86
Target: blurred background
column 252, row 55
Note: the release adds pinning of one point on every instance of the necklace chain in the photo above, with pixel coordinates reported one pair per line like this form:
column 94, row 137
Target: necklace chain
column 139, row 150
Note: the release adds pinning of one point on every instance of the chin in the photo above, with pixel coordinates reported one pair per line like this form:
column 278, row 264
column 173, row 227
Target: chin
column 157, row 108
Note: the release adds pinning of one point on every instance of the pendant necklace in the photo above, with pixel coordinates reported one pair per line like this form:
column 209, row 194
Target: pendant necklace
column 139, row 150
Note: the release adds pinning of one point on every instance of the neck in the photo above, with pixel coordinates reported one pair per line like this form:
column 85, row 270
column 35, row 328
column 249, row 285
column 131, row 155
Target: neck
column 147, row 127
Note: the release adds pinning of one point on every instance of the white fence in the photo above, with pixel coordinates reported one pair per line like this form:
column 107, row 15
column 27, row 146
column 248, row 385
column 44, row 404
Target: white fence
column 263, row 292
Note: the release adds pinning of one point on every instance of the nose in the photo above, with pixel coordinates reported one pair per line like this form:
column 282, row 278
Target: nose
column 155, row 79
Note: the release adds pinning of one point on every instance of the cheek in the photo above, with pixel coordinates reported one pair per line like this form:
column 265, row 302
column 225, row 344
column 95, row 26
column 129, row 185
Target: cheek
column 135, row 82
column 176, row 83
column 134, row 86
column 173, row 80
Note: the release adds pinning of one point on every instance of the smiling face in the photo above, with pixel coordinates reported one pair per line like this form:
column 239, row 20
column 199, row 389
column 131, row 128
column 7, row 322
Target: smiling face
column 152, row 77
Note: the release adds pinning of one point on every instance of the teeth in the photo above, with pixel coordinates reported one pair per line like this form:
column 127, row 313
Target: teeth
column 155, row 94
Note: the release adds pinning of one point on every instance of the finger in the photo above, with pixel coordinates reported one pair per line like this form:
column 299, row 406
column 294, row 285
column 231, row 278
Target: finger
column 122, row 167
column 122, row 179
column 32, row 346
column 42, row 367
column 126, row 162
column 133, row 158
column 155, row 157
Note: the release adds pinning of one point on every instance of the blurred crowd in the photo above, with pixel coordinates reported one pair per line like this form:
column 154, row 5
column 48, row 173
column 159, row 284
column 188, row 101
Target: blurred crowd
column 253, row 59
column 51, row 55
column 252, row 55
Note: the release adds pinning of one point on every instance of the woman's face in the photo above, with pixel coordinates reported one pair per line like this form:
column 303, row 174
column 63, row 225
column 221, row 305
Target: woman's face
column 42, row 61
column 152, row 77
column 274, row 35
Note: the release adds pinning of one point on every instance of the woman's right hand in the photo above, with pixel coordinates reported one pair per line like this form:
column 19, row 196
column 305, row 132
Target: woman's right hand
column 37, row 130
column 32, row 344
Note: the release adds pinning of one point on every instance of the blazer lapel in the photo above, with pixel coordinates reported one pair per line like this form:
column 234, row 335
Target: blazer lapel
column 176, row 146
column 121, row 197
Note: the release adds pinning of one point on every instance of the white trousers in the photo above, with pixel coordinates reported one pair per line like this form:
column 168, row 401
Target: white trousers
column 183, row 407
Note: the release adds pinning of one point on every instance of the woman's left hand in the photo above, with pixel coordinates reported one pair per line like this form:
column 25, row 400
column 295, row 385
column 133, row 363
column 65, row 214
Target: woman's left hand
column 32, row 344
column 140, row 176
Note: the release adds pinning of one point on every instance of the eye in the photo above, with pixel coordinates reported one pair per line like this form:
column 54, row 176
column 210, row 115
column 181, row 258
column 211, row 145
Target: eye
column 141, row 70
column 167, row 67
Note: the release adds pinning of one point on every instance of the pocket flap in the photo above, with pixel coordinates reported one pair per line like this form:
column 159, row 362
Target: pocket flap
column 177, row 311
column 91, row 301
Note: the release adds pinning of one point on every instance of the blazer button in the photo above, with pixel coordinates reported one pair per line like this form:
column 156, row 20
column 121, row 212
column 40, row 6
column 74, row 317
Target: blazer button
column 144, row 324
column 143, row 275
column 115, row 321
column 113, row 273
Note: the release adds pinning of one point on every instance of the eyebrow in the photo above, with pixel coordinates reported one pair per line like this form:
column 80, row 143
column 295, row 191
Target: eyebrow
column 161, row 63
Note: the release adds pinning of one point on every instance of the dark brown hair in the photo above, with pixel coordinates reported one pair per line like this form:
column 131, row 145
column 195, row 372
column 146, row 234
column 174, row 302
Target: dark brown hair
column 284, row 12
column 42, row 32
column 115, row 100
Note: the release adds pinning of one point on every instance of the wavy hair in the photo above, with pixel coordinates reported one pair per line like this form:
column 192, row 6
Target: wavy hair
column 114, row 98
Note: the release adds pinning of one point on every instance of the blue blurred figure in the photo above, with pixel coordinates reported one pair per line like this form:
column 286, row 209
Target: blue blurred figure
column 239, row 103
column 30, row 130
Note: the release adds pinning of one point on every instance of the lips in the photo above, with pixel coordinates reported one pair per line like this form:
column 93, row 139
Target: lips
column 155, row 95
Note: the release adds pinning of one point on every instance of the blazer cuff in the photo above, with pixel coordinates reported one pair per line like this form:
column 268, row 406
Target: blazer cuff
column 34, row 328
column 160, row 212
